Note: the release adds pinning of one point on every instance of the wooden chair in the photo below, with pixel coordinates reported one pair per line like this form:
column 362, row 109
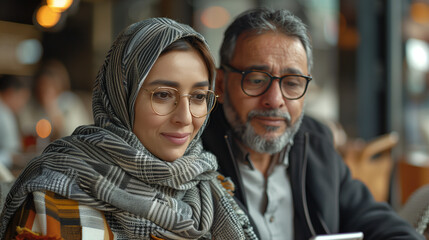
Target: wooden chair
column 372, row 163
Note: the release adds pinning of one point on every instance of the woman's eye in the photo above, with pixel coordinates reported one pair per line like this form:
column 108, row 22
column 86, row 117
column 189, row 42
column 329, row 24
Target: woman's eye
column 163, row 95
column 198, row 97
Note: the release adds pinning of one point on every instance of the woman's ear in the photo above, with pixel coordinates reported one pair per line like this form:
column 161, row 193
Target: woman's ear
column 220, row 84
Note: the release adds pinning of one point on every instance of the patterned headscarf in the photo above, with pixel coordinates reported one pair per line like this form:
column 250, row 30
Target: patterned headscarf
column 105, row 166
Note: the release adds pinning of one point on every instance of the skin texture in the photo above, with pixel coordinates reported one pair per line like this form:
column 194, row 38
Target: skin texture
column 167, row 137
column 277, row 54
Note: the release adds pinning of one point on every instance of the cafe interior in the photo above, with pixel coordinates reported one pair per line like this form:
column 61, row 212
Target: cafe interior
column 371, row 71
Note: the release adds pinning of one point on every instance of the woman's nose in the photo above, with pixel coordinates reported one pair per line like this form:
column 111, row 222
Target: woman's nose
column 182, row 113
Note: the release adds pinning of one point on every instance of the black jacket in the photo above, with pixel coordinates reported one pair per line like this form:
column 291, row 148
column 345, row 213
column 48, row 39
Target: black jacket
column 325, row 197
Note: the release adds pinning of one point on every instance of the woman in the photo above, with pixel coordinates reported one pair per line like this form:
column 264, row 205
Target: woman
column 140, row 172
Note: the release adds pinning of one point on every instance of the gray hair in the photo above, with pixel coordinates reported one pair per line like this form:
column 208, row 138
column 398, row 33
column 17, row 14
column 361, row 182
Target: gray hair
column 260, row 20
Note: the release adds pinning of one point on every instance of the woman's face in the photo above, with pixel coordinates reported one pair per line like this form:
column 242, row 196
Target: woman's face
column 167, row 137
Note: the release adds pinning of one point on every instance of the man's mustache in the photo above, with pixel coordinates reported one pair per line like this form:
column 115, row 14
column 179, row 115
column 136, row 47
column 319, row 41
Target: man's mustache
column 270, row 113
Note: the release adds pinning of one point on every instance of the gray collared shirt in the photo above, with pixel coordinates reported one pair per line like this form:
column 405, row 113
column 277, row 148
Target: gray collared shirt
column 269, row 200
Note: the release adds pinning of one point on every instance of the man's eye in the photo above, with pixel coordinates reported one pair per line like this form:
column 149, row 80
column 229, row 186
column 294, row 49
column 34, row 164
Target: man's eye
column 257, row 81
column 293, row 82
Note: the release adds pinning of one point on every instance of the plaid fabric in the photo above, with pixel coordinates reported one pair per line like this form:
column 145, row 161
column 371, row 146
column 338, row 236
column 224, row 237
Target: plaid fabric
column 50, row 216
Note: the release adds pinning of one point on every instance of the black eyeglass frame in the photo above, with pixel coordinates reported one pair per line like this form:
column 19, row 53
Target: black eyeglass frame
column 227, row 67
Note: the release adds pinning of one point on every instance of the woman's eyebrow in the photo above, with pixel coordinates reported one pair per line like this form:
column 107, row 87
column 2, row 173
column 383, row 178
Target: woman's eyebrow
column 201, row 84
column 176, row 84
column 164, row 82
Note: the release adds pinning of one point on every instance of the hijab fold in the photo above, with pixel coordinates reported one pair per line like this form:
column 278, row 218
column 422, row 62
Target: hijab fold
column 105, row 166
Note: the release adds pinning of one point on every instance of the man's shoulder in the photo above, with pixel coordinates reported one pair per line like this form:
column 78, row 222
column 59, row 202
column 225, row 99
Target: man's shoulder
column 313, row 126
column 217, row 124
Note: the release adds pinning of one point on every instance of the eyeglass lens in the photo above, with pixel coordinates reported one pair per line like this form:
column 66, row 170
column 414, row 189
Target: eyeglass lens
column 165, row 100
column 255, row 83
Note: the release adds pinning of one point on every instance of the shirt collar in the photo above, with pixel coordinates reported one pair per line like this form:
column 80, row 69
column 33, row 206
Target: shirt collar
column 243, row 155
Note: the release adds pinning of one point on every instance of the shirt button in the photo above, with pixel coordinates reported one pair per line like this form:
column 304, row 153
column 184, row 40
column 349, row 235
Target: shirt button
column 272, row 219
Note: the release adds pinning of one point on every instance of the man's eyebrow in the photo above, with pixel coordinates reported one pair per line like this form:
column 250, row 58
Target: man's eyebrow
column 292, row 71
column 267, row 69
column 258, row 67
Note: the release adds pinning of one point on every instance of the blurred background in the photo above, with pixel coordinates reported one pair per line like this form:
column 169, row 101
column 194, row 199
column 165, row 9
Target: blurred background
column 371, row 81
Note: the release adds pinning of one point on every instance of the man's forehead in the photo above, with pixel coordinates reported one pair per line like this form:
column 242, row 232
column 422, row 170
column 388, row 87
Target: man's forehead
column 270, row 50
column 266, row 41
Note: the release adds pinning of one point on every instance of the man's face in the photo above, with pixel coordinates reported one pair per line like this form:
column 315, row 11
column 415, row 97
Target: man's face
column 267, row 122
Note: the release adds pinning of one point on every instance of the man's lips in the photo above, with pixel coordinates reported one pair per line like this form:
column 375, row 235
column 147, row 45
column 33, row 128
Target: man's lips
column 177, row 138
column 271, row 121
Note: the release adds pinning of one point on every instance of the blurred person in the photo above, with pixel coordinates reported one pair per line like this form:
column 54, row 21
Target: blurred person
column 286, row 169
column 14, row 94
column 54, row 101
column 140, row 171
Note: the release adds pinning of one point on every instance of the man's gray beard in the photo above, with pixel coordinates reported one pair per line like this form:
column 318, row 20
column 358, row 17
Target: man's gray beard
column 247, row 135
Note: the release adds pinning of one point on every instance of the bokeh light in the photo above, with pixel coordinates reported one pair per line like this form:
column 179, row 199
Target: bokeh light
column 215, row 17
column 46, row 17
column 59, row 5
column 29, row 51
column 417, row 53
column 419, row 12
column 348, row 38
column 43, row 128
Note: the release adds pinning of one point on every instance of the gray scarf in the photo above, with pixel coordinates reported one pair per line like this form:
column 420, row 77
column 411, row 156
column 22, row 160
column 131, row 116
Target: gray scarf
column 105, row 166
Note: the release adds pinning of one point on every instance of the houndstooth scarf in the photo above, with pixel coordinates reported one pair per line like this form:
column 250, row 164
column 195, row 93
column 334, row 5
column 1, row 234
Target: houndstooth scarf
column 106, row 167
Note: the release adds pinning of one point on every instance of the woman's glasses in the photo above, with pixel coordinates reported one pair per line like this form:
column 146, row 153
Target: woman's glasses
column 164, row 100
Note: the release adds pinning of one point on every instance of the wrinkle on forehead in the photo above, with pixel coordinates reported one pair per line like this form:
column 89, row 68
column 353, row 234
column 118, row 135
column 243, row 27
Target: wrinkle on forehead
column 274, row 51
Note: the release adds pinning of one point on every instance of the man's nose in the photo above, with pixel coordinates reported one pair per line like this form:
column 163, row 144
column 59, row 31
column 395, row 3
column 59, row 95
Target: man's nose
column 273, row 97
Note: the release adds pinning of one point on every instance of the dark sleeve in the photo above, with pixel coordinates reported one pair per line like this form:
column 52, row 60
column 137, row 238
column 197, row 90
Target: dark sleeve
column 360, row 212
column 345, row 204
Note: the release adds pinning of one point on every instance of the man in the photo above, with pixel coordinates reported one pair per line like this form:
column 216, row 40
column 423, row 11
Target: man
column 287, row 173
column 14, row 94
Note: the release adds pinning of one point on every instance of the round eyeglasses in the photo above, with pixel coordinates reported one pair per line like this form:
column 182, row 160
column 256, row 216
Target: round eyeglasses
column 255, row 83
column 164, row 100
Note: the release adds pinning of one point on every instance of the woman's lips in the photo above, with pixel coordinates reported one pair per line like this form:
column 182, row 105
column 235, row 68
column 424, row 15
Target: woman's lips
column 177, row 138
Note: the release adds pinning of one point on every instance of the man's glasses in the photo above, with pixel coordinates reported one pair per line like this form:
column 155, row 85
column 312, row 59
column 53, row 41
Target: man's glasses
column 164, row 100
column 255, row 83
